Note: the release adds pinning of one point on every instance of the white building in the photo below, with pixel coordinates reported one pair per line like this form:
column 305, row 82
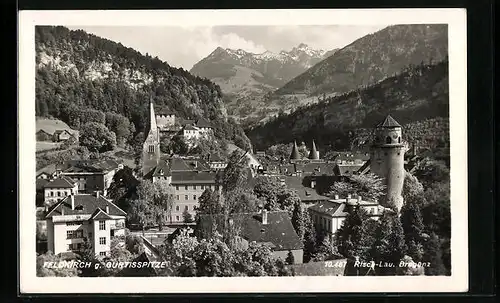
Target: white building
column 329, row 215
column 58, row 189
column 79, row 218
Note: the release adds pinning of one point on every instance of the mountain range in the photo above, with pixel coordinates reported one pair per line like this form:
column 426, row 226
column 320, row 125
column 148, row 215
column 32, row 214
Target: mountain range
column 246, row 77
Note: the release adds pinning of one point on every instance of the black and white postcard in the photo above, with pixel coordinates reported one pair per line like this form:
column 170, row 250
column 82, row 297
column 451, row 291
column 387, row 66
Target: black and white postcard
column 243, row 151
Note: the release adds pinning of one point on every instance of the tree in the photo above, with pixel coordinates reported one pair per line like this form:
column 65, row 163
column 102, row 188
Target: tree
column 412, row 188
column 178, row 145
column 240, row 200
column 309, row 237
column 433, row 256
column 120, row 125
column 267, row 189
column 96, row 137
column 134, row 244
column 235, row 174
column 389, row 246
column 208, row 203
column 290, row 259
column 298, row 220
column 187, row 217
column 157, row 197
column 431, row 171
column 369, row 186
column 42, row 270
column 349, row 234
column 413, row 227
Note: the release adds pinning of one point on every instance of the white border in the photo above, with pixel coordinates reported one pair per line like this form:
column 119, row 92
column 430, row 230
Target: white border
column 456, row 20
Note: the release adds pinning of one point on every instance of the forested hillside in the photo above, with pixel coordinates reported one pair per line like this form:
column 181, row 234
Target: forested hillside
column 418, row 94
column 83, row 78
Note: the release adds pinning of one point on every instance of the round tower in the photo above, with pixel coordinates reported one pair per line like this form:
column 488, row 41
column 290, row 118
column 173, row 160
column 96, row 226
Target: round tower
column 387, row 159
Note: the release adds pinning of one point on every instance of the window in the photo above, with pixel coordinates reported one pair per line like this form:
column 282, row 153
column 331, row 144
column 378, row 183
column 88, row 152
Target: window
column 194, row 197
column 177, row 197
column 399, row 139
column 194, row 186
column 177, row 208
column 69, row 234
column 186, row 187
column 186, row 197
column 70, row 246
column 186, row 207
column 388, row 140
column 177, row 218
column 102, row 240
column 102, row 254
column 203, row 187
column 51, row 193
column 177, row 187
column 58, row 193
column 151, row 148
column 102, row 225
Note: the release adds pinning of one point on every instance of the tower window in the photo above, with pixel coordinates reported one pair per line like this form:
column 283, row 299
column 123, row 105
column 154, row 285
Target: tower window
column 388, row 140
column 399, row 139
column 151, row 148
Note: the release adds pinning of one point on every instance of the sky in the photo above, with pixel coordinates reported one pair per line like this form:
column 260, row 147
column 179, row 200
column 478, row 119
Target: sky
column 185, row 46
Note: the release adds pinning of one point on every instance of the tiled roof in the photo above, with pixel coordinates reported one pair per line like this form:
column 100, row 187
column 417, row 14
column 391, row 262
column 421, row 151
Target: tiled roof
column 317, row 168
column 162, row 169
column 164, row 111
column 188, row 177
column 49, row 169
column 278, row 231
column 306, row 194
column 365, row 168
column 61, row 182
column 389, row 122
column 43, row 131
column 350, row 156
column 60, row 131
column 183, row 122
column 333, row 268
column 215, row 158
column 179, row 164
column 84, row 205
column 346, row 170
column 331, row 208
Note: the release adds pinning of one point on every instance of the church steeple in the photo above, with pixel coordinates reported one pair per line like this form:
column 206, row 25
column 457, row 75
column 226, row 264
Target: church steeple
column 152, row 116
column 314, row 154
column 295, row 155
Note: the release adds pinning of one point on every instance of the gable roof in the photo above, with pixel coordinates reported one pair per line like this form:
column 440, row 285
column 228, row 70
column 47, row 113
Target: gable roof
column 49, row 169
column 61, row 182
column 189, row 177
column 277, row 233
column 40, row 183
column 89, row 204
column 306, row 194
column 346, row 170
column 162, row 169
column 334, row 209
column 43, row 131
column 389, row 122
column 60, row 131
column 100, row 214
column 98, row 166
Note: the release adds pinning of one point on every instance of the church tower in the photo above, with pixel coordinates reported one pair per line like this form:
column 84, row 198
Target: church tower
column 387, row 159
column 295, row 155
column 151, row 146
column 314, row 154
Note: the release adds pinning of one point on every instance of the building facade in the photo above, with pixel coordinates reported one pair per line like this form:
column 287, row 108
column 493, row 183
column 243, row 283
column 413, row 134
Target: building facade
column 387, row 159
column 58, row 189
column 328, row 216
column 84, row 218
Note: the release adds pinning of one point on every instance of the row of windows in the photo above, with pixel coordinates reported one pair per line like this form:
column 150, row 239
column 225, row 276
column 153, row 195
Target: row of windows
column 186, row 207
column 102, row 225
column 74, row 246
column 203, row 187
column 102, row 240
column 74, row 234
column 102, row 254
column 59, row 193
column 186, row 197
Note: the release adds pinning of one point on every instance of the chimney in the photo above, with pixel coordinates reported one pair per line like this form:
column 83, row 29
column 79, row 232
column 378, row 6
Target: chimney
column 97, row 194
column 264, row 216
column 62, row 210
column 359, row 199
column 336, row 197
column 348, row 198
column 72, row 197
column 107, row 209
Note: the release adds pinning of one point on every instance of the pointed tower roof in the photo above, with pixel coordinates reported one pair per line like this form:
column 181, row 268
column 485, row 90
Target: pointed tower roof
column 389, row 122
column 152, row 116
column 295, row 155
column 313, row 155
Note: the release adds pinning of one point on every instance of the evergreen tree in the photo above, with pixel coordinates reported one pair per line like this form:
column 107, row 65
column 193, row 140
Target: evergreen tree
column 290, row 259
column 389, row 246
column 298, row 220
column 309, row 237
column 413, row 227
column 349, row 234
column 97, row 137
column 433, row 255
